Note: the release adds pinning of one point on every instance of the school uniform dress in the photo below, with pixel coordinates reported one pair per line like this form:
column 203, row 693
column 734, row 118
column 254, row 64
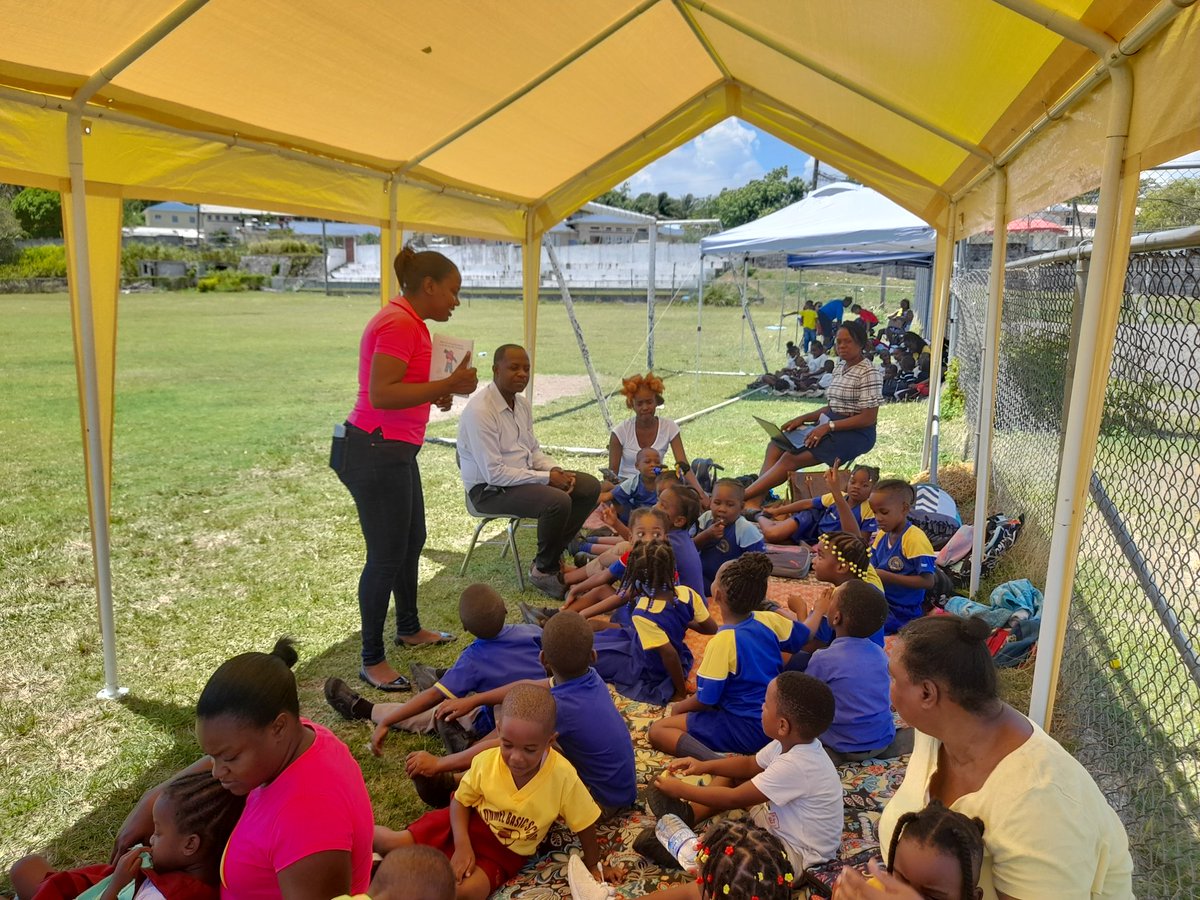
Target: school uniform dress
column 739, row 662
column 484, row 665
column 689, row 569
column 632, row 494
column 741, row 537
column 627, row 658
column 595, row 739
column 823, row 518
column 804, row 802
column 856, row 670
column 910, row 554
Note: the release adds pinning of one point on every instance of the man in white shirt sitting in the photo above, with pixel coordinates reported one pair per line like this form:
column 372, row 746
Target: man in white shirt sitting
column 506, row 472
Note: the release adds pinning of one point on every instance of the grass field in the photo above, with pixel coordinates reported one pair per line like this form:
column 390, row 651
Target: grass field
column 228, row 529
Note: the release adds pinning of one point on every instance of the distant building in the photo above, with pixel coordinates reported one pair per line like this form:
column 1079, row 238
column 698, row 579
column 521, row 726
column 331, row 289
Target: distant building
column 234, row 221
column 596, row 228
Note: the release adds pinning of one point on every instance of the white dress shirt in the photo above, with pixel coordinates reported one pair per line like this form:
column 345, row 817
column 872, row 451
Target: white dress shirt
column 496, row 445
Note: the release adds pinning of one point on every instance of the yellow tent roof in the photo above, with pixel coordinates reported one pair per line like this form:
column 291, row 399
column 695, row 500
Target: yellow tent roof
column 483, row 112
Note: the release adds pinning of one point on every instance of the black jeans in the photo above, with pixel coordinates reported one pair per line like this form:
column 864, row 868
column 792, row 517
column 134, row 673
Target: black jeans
column 385, row 482
column 559, row 514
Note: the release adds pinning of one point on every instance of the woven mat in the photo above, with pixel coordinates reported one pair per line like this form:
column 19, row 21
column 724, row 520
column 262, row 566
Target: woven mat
column 866, row 787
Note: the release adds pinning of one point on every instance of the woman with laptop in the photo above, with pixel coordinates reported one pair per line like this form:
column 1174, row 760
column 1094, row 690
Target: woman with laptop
column 843, row 429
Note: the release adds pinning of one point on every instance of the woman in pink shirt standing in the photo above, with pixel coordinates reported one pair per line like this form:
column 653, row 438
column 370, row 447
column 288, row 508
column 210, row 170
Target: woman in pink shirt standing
column 376, row 458
column 306, row 830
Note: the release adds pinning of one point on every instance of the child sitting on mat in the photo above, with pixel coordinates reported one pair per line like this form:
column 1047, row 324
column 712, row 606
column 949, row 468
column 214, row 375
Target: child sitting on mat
column 642, row 651
column 790, row 787
column 410, row 873
column 507, row 801
column 721, row 534
column 594, row 581
column 499, row 654
column 739, row 662
column 591, row 733
column 193, row 818
column 806, row 520
column 901, row 554
column 637, row 490
column 856, row 670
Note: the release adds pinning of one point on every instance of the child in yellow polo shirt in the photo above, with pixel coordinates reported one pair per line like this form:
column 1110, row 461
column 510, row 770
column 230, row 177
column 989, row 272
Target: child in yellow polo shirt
column 507, row 801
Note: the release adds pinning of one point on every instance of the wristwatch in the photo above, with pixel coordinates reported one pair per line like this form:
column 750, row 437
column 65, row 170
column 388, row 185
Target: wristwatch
column 831, row 423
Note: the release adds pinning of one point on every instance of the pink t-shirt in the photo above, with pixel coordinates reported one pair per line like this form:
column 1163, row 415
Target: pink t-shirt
column 318, row 803
column 397, row 331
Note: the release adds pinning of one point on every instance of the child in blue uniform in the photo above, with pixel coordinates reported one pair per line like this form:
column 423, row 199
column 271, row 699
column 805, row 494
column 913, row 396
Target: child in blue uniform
column 901, row 554
column 806, row 520
column 591, row 733
column 638, row 490
column 649, row 523
column 856, row 670
column 499, row 654
column 739, row 662
column 721, row 533
column 642, row 652
column 681, row 504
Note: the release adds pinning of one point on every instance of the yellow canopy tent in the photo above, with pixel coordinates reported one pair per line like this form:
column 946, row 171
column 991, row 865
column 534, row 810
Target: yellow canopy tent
column 497, row 119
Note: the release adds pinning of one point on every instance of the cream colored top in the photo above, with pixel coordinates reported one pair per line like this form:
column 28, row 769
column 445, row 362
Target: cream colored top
column 1048, row 831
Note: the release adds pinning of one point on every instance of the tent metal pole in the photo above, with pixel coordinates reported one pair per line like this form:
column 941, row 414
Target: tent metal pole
column 988, row 375
column 943, row 267
column 97, row 492
column 531, row 277
column 569, row 305
column 699, row 316
column 1119, row 183
column 652, row 234
column 747, row 319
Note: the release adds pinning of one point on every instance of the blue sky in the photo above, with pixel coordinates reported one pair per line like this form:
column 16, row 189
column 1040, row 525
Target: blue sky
column 727, row 155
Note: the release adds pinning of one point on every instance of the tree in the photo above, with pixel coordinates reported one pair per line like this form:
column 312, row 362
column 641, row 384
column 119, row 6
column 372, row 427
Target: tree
column 10, row 231
column 1174, row 205
column 39, row 212
column 736, row 206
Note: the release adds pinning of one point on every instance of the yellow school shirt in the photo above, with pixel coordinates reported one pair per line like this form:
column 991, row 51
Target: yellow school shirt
column 872, row 578
column 521, row 818
column 808, row 318
column 650, row 632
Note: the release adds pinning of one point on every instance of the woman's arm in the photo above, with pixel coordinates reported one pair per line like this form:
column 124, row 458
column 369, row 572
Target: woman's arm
column 387, row 389
column 807, row 419
column 864, row 418
column 615, row 449
column 317, row 876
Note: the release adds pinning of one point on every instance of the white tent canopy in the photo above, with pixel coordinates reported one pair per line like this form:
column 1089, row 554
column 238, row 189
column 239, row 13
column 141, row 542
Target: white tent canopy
column 835, row 218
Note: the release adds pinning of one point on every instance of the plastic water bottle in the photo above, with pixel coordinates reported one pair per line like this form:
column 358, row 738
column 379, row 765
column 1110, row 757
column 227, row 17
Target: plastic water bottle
column 673, row 833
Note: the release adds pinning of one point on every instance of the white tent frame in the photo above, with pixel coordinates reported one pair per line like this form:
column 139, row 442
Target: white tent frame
column 1117, row 196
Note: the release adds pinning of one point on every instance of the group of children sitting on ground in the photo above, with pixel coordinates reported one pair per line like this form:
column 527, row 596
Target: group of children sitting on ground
column 780, row 695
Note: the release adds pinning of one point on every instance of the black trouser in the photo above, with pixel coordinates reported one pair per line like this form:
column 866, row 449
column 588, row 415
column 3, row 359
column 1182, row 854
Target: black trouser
column 385, row 482
column 559, row 514
column 827, row 331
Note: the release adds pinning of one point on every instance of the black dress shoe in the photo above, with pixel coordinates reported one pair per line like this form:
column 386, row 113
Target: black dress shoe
column 345, row 702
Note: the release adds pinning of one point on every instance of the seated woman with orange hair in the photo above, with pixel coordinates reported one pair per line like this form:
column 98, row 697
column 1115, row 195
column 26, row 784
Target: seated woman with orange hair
column 644, row 395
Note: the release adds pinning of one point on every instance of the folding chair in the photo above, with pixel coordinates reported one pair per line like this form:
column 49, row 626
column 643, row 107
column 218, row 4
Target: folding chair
column 507, row 539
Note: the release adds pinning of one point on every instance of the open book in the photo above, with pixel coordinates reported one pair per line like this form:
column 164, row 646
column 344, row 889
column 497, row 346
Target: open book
column 447, row 353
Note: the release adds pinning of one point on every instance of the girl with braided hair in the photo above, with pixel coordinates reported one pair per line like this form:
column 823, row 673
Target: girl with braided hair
column 737, row 861
column 193, row 818
column 740, row 661
column 935, row 852
column 641, row 651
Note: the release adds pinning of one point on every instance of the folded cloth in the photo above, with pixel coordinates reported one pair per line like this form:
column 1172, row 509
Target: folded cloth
column 1013, row 598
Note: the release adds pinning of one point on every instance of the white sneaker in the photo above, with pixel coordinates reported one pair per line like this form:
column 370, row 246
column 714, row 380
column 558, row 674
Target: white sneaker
column 583, row 883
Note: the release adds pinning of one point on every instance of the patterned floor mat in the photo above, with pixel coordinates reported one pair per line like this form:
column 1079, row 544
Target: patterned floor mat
column 866, row 787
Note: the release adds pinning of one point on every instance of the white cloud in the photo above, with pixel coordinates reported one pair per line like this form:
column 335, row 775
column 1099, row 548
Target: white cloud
column 724, row 156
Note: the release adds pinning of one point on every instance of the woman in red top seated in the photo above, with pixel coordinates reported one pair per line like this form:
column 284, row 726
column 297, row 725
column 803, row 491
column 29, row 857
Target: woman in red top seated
column 306, row 830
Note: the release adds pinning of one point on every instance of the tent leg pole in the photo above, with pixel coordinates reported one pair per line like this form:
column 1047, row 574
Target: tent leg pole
column 1119, row 182
column 531, row 276
column 652, row 233
column 747, row 319
column 97, row 480
column 569, row 305
column 699, row 317
column 943, row 264
column 989, row 373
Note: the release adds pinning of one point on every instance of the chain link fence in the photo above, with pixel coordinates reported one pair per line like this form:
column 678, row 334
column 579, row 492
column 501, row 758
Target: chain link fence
column 1129, row 685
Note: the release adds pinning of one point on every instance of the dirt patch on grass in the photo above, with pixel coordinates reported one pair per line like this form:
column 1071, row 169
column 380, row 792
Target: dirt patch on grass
column 546, row 389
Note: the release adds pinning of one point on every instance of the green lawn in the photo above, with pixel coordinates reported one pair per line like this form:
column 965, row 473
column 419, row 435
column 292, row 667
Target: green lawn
column 228, row 529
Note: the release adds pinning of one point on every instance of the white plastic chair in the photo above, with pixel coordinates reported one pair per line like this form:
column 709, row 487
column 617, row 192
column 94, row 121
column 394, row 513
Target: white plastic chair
column 507, row 538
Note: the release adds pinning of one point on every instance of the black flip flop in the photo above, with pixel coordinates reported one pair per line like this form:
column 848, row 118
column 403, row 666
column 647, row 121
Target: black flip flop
column 395, row 686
